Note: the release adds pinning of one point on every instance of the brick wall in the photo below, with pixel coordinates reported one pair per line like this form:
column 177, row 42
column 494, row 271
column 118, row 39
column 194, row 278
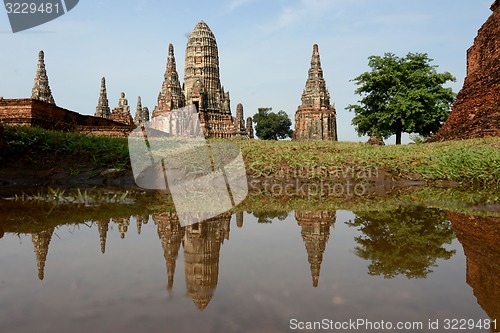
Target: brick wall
column 1, row 137
column 476, row 112
column 30, row 112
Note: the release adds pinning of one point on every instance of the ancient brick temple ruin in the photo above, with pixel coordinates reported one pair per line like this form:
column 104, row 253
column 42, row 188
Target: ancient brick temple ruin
column 202, row 88
column 476, row 112
column 315, row 119
column 141, row 113
column 121, row 114
column 41, row 110
column 41, row 89
column 102, row 109
column 200, row 97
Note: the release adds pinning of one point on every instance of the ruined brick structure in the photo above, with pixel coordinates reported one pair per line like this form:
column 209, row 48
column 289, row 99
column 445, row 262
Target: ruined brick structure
column 249, row 128
column 315, row 233
column 1, row 137
column 202, row 88
column 102, row 109
column 479, row 238
column 41, row 89
column 315, row 119
column 476, row 112
column 239, row 122
column 171, row 96
column 141, row 114
column 41, row 111
column 201, row 91
column 375, row 140
column 35, row 113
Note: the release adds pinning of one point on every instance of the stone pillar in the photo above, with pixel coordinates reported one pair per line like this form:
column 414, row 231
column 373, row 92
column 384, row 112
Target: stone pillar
column 249, row 128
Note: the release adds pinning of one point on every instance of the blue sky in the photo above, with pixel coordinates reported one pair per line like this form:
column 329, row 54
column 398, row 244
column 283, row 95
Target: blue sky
column 265, row 47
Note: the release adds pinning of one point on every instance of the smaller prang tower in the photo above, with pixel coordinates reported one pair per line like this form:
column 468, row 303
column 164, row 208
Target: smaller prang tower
column 41, row 89
column 315, row 118
column 102, row 109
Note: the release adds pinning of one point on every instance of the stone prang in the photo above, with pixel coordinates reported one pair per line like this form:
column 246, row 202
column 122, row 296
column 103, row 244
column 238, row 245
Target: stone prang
column 201, row 89
column 141, row 114
column 171, row 96
column 239, row 122
column 41, row 89
column 102, row 109
column 315, row 119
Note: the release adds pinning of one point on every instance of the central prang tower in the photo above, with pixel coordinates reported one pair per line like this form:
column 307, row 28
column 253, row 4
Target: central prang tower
column 202, row 85
column 202, row 88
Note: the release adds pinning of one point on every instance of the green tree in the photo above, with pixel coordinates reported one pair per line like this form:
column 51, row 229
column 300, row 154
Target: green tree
column 407, row 240
column 272, row 126
column 401, row 95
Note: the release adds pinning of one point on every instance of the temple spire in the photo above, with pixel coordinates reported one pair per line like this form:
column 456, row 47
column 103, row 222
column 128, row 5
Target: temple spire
column 41, row 241
column 315, row 233
column 171, row 96
column 315, row 118
column 170, row 233
column 102, row 109
column 103, row 227
column 41, row 89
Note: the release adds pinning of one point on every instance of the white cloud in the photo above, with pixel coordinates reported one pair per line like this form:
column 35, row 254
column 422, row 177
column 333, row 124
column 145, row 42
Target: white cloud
column 305, row 10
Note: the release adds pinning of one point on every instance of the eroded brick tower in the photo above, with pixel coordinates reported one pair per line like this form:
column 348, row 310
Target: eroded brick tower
column 41, row 89
column 202, row 85
column 315, row 119
column 171, row 96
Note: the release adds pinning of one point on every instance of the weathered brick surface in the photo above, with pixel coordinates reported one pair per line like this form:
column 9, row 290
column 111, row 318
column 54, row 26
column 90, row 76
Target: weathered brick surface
column 479, row 238
column 1, row 136
column 202, row 87
column 476, row 112
column 31, row 112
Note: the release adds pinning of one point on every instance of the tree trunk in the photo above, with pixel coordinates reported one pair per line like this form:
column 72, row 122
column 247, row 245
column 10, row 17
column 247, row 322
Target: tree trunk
column 398, row 137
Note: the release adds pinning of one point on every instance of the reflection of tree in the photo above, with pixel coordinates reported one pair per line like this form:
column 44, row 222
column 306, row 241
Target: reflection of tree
column 268, row 217
column 406, row 240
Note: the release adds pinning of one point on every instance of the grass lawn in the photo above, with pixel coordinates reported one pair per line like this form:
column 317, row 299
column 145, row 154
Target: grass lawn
column 469, row 162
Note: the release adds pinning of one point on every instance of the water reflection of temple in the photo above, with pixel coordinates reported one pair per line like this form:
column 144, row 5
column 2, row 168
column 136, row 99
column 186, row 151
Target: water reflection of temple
column 171, row 234
column 41, row 241
column 201, row 243
column 480, row 237
column 315, row 233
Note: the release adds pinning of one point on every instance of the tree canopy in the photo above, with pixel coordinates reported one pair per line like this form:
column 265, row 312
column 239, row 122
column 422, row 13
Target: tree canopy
column 401, row 95
column 404, row 241
column 272, row 126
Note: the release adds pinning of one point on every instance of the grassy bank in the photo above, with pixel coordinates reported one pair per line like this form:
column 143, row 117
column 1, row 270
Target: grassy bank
column 53, row 207
column 50, row 148
column 468, row 162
